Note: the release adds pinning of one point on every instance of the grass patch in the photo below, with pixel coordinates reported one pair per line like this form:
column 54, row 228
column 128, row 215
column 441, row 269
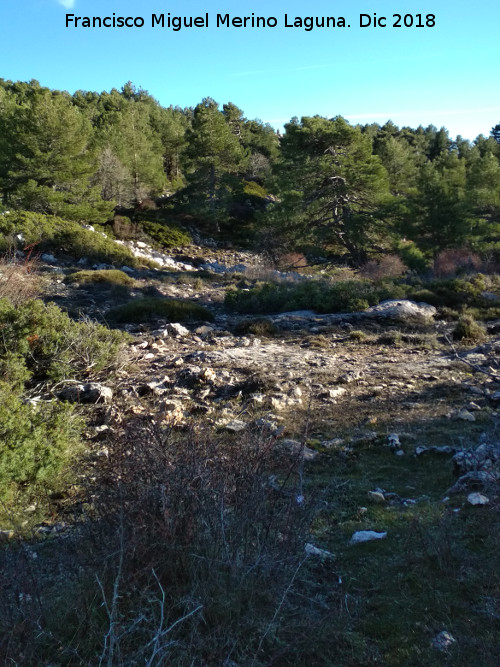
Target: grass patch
column 111, row 276
column 150, row 309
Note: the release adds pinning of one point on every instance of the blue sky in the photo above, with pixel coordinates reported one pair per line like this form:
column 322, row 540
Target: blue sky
column 446, row 75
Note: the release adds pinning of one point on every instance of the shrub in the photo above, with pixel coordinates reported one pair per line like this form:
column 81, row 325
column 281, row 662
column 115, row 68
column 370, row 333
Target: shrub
column 468, row 330
column 19, row 281
column 51, row 345
column 112, row 276
column 389, row 266
column 258, row 327
column 196, row 523
column 55, row 234
column 167, row 236
column 150, row 309
column 124, row 229
column 413, row 257
column 321, row 296
column 358, row 335
column 35, row 441
column 291, row 261
column 455, row 261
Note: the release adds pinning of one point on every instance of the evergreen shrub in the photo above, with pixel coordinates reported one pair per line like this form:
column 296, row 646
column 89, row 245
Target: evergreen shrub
column 150, row 309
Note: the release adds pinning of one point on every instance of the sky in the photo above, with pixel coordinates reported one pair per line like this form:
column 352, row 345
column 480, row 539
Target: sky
column 445, row 75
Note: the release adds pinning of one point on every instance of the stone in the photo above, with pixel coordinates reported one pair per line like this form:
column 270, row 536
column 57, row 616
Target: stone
column 282, row 402
column 333, row 444
column 401, row 309
column 350, row 376
column 485, row 457
column 322, row 554
column 475, row 479
column 92, row 392
column 465, row 415
column 393, row 441
column 334, row 392
column 177, row 330
column 367, row 536
column 296, row 447
column 236, row 426
column 207, row 375
column 477, row 499
column 376, row 497
column 443, row 641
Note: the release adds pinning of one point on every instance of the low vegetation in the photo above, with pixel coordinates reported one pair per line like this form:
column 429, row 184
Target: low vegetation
column 203, row 515
column 150, row 309
column 46, row 233
column 110, row 276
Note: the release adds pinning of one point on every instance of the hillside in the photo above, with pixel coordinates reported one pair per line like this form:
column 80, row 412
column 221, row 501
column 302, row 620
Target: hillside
column 190, row 458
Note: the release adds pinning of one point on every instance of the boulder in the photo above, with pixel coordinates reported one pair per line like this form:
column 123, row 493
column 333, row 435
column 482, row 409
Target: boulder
column 402, row 310
column 92, row 392
column 178, row 330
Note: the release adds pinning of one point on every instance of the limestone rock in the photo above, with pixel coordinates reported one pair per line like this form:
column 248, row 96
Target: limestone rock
column 376, row 497
column 366, row 536
column 296, row 447
column 401, row 309
column 477, row 499
column 177, row 330
column 236, row 426
column 92, row 392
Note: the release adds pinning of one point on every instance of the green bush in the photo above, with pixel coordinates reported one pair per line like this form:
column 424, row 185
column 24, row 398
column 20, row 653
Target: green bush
column 112, row 276
column 468, row 330
column 150, row 309
column 51, row 345
column 35, row 441
column 167, row 236
column 258, row 327
column 50, row 233
column 321, row 296
column 413, row 257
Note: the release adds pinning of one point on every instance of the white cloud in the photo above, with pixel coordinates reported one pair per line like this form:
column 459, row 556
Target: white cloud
column 69, row 4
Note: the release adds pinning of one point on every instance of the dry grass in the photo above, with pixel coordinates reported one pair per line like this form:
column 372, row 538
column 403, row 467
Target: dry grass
column 19, row 280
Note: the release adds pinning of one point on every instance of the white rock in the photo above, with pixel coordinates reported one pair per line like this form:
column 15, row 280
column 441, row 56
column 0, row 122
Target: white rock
column 91, row 392
column 376, row 496
column 366, row 536
column 176, row 329
column 465, row 415
column 393, row 441
column 236, row 425
column 477, row 499
column 402, row 309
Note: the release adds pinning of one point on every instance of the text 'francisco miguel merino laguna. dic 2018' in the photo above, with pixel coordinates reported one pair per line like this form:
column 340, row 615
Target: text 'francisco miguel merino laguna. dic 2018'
column 306, row 23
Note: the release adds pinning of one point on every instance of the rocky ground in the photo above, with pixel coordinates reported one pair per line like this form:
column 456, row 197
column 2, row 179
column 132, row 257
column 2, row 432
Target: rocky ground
column 395, row 425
